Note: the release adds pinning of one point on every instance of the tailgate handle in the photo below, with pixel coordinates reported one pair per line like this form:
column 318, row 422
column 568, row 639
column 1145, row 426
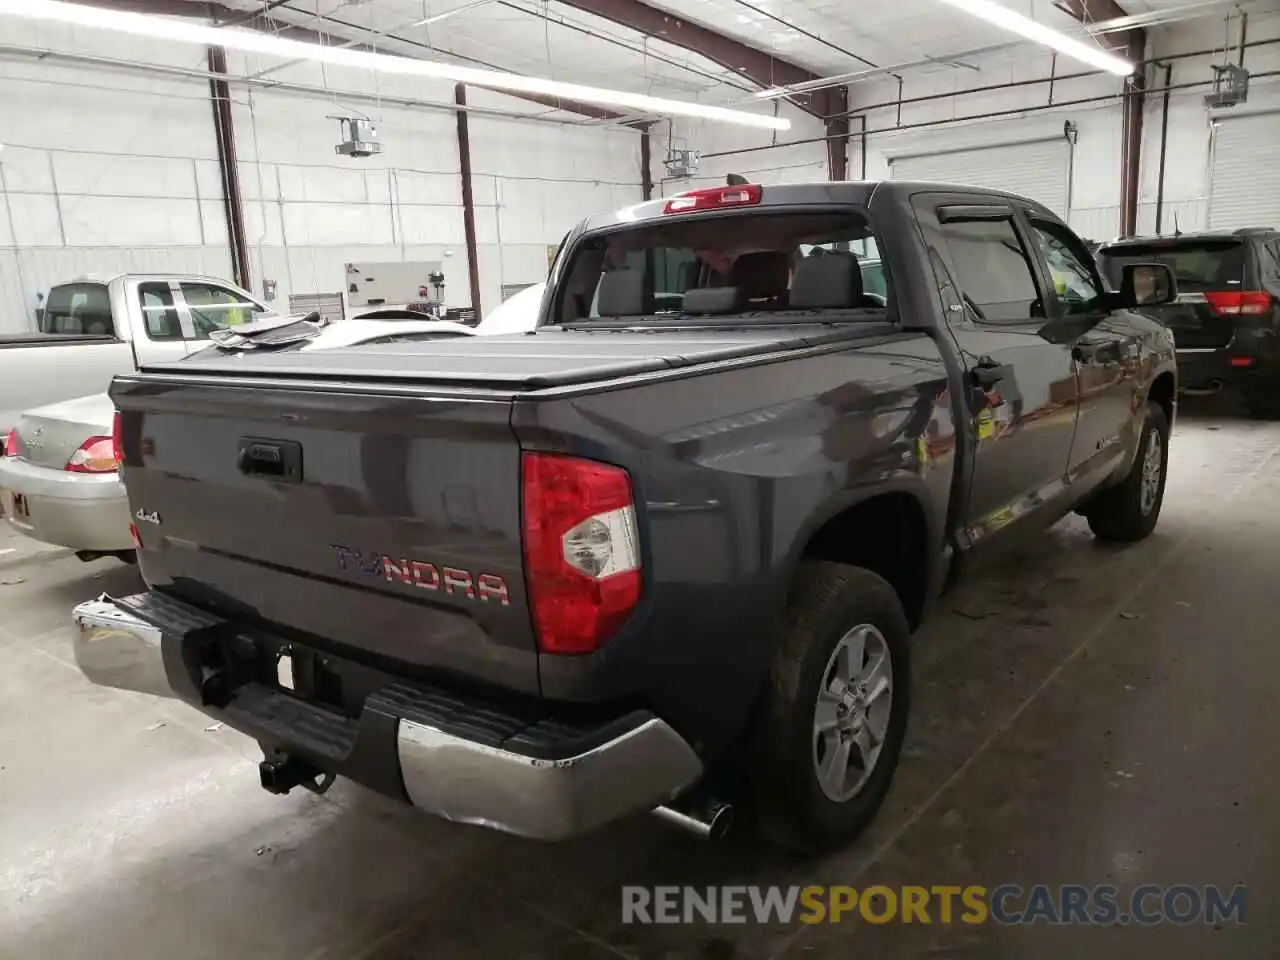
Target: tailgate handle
column 274, row 459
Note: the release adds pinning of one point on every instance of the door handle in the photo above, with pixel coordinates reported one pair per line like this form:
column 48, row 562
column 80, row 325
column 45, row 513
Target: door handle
column 273, row 459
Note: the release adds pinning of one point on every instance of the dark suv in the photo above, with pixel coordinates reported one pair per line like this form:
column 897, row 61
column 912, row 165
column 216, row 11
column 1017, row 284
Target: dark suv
column 1227, row 314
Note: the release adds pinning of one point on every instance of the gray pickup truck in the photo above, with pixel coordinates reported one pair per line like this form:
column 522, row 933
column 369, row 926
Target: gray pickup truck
column 93, row 328
column 667, row 551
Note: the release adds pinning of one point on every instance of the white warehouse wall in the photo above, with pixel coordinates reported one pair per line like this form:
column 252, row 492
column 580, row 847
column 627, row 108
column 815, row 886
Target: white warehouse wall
column 1095, row 176
column 532, row 182
column 102, row 172
column 782, row 162
column 1190, row 136
column 107, row 171
column 310, row 211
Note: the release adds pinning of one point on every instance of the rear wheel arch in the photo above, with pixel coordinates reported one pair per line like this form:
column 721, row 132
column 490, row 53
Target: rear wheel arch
column 890, row 531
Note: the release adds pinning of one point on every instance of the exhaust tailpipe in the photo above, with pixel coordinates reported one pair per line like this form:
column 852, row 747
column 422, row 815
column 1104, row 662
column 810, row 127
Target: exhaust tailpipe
column 710, row 822
column 1208, row 390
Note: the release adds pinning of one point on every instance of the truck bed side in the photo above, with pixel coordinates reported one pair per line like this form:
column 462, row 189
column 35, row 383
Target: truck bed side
column 735, row 472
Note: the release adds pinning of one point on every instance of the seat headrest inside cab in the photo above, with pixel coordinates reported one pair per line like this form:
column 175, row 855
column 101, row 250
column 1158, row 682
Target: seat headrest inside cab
column 828, row 282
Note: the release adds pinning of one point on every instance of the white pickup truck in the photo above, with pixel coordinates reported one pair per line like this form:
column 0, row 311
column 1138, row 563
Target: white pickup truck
column 93, row 328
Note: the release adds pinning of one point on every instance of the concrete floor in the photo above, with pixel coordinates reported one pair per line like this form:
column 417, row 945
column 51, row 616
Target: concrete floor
column 1083, row 715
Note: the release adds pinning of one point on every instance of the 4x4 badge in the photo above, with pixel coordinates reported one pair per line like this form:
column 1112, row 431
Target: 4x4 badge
column 145, row 517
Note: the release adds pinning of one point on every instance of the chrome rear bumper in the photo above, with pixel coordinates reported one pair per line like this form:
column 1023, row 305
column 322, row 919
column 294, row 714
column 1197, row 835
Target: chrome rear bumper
column 545, row 799
column 530, row 782
column 117, row 649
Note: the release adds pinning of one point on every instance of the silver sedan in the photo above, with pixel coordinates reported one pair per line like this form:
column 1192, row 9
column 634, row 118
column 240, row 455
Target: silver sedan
column 58, row 479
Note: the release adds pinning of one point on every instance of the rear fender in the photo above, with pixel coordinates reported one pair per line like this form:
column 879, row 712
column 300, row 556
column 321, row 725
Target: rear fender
column 911, row 485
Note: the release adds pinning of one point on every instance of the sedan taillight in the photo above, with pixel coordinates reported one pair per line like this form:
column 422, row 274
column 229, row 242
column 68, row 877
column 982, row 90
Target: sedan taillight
column 96, row 455
column 582, row 551
column 12, row 448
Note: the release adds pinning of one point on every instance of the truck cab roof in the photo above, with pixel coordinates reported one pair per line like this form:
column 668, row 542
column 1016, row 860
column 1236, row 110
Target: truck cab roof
column 853, row 192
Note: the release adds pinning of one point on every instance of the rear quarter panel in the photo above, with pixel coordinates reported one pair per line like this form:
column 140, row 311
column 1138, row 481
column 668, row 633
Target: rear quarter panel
column 733, row 469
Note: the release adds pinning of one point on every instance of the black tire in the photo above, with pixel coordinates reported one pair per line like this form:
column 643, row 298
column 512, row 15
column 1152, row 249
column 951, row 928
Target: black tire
column 828, row 601
column 1117, row 513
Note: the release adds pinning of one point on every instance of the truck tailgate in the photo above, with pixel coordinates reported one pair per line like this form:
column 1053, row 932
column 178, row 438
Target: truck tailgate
column 384, row 527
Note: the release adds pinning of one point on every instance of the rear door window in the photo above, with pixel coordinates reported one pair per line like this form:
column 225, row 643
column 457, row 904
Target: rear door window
column 78, row 309
column 158, row 311
column 757, row 265
column 1198, row 265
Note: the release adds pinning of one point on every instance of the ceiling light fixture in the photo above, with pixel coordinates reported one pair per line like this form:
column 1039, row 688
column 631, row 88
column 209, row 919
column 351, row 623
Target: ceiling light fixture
column 1014, row 22
column 250, row 41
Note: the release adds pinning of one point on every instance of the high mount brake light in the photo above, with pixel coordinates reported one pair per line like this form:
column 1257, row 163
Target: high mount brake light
column 582, row 551
column 714, row 198
column 1238, row 303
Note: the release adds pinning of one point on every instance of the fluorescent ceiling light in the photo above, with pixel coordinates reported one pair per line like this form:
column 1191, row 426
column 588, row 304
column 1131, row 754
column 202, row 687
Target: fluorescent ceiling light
column 251, row 41
column 1015, row 22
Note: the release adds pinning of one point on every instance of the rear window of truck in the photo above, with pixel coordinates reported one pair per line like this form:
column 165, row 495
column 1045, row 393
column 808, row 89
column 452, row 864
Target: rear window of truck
column 758, row 264
column 77, row 309
column 1197, row 265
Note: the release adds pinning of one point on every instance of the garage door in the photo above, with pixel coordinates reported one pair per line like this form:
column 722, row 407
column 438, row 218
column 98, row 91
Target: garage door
column 1244, row 180
column 1038, row 169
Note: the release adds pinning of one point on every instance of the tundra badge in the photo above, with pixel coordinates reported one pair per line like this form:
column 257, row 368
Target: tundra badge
column 424, row 576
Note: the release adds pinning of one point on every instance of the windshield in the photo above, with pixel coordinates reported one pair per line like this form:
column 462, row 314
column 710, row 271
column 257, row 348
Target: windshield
column 82, row 309
column 1197, row 265
column 756, row 264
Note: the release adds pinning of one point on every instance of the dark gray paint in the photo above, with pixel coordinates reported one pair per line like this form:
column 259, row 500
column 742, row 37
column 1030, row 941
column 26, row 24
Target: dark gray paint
column 740, row 445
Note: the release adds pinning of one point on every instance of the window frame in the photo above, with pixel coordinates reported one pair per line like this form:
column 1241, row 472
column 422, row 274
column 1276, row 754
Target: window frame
column 170, row 288
column 968, row 208
column 570, row 255
column 81, row 286
column 1076, row 246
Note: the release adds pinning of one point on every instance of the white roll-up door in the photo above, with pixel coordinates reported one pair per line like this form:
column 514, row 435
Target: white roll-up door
column 1244, row 178
column 1038, row 169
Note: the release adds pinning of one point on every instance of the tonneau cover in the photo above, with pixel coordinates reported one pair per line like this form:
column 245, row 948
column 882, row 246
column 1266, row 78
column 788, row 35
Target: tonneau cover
column 551, row 357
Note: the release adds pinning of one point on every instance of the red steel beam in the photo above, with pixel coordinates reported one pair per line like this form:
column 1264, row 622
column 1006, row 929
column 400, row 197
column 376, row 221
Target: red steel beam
column 756, row 65
column 1132, row 44
column 468, row 200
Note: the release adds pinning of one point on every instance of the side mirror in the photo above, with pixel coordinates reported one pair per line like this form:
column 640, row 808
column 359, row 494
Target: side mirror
column 1146, row 285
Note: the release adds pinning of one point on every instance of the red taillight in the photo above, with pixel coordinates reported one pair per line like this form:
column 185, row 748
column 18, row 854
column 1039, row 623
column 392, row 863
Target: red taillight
column 96, row 455
column 1238, row 303
column 11, row 446
column 581, row 550
column 117, row 439
column 1241, row 361
column 713, row 198
column 133, row 535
